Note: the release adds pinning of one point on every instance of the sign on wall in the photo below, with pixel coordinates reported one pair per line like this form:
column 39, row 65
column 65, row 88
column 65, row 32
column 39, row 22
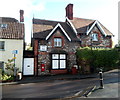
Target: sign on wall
column 15, row 52
column 43, row 48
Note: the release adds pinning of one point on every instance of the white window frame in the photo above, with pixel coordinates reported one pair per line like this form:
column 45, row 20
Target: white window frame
column 43, row 48
column 58, row 61
column 94, row 37
column 57, row 42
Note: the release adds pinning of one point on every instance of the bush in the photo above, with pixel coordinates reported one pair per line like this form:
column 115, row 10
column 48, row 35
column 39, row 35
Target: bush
column 98, row 58
column 5, row 77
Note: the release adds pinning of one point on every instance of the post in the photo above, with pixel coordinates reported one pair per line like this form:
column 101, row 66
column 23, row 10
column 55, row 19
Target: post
column 101, row 79
column 14, row 69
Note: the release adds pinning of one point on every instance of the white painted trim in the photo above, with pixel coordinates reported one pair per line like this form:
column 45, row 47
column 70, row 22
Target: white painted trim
column 58, row 25
column 91, row 27
column 99, row 26
column 72, row 25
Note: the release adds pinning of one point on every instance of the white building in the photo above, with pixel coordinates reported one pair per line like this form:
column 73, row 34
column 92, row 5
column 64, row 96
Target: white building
column 11, row 38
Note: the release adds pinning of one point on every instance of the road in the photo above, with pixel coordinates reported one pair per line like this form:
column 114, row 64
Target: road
column 51, row 89
column 54, row 89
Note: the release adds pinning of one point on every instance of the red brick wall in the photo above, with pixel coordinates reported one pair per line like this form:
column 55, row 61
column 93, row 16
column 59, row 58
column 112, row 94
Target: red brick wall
column 69, row 11
column 36, row 56
column 59, row 71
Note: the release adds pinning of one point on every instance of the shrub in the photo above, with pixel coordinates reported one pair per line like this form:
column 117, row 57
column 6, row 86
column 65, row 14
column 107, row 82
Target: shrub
column 98, row 58
column 6, row 77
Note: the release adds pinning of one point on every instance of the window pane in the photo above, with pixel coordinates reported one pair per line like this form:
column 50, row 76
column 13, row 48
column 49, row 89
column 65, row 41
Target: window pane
column 54, row 56
column 62, row 56
column 54, row 64
column 57, row 42
column 2, row 45
column 62, row 64
column 95, row 37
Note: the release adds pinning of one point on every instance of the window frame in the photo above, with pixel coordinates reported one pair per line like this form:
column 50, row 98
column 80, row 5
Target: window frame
column 3, row 26
column 94, row 37
column 59, row 59
column 57, row 42
column 2, row 45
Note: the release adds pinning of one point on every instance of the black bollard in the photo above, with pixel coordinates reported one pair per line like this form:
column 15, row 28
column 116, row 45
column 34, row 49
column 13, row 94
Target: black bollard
column 101, row 80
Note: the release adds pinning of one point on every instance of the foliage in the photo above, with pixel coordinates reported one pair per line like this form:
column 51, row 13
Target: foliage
column 98, row 58
column 5, row 77
column 10, row 66
column 28, row 47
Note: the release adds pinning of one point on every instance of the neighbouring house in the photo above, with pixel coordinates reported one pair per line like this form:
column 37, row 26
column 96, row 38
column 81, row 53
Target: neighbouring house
column 11, row 40
column 55, row 42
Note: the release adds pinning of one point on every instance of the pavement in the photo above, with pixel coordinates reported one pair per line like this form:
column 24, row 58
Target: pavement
column 110, row 90
column 35, row 79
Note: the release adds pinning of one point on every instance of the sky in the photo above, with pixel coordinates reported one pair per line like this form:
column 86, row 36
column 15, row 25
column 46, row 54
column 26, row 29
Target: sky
column 105, row 11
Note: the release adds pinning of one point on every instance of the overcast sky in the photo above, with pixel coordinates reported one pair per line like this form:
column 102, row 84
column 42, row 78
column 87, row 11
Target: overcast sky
column 105, row 11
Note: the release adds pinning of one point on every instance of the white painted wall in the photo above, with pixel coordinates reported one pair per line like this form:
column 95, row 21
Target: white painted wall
column 10, row 45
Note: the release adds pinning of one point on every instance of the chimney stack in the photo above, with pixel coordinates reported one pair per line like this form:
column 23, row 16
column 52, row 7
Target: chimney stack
column 69, row 11
column 21, row 15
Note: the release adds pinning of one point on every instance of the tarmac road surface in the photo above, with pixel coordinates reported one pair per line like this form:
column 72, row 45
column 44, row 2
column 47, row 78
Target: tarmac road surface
column 48, row 89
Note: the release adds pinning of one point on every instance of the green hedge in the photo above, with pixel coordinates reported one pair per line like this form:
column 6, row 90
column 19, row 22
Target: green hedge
column 98, row 58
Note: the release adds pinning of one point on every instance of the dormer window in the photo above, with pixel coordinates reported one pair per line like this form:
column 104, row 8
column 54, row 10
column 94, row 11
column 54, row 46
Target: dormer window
column 3, row 25
column 57, row 42
column 94, row 37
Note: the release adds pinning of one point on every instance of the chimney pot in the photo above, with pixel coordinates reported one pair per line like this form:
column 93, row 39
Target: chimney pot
column 21, row 15
column 69, row 11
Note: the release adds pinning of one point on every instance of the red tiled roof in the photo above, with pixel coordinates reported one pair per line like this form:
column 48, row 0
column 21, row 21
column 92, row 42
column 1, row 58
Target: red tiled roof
column 14, row 29
column 82, row 24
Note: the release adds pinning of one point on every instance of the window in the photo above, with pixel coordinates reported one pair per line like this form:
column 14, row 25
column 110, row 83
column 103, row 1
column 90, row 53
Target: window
column 1, row 65
column 57, row 42
column 3, row 25
column 43, row 48
column 94, row 37
column 2, row 45
column 58, row 61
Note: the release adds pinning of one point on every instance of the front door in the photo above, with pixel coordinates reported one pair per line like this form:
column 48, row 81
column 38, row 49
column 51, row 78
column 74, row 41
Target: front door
column 28, row 66
column 58, row 61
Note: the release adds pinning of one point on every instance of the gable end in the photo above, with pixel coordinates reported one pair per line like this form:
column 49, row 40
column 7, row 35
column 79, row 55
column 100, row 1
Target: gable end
column 99, row 26
column 58, row 25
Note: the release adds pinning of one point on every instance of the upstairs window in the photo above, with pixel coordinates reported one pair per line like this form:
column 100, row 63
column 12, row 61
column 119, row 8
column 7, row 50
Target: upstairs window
column 57, row 42
column 2, row 45
column 3, row 25
column 94, row 37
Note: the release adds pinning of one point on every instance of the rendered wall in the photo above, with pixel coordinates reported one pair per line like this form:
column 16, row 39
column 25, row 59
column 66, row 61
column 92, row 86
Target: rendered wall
column 10, row 45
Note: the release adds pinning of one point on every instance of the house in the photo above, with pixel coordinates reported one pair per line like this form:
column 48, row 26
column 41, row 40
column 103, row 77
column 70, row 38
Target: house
column 55, row 42
column 11, row 41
